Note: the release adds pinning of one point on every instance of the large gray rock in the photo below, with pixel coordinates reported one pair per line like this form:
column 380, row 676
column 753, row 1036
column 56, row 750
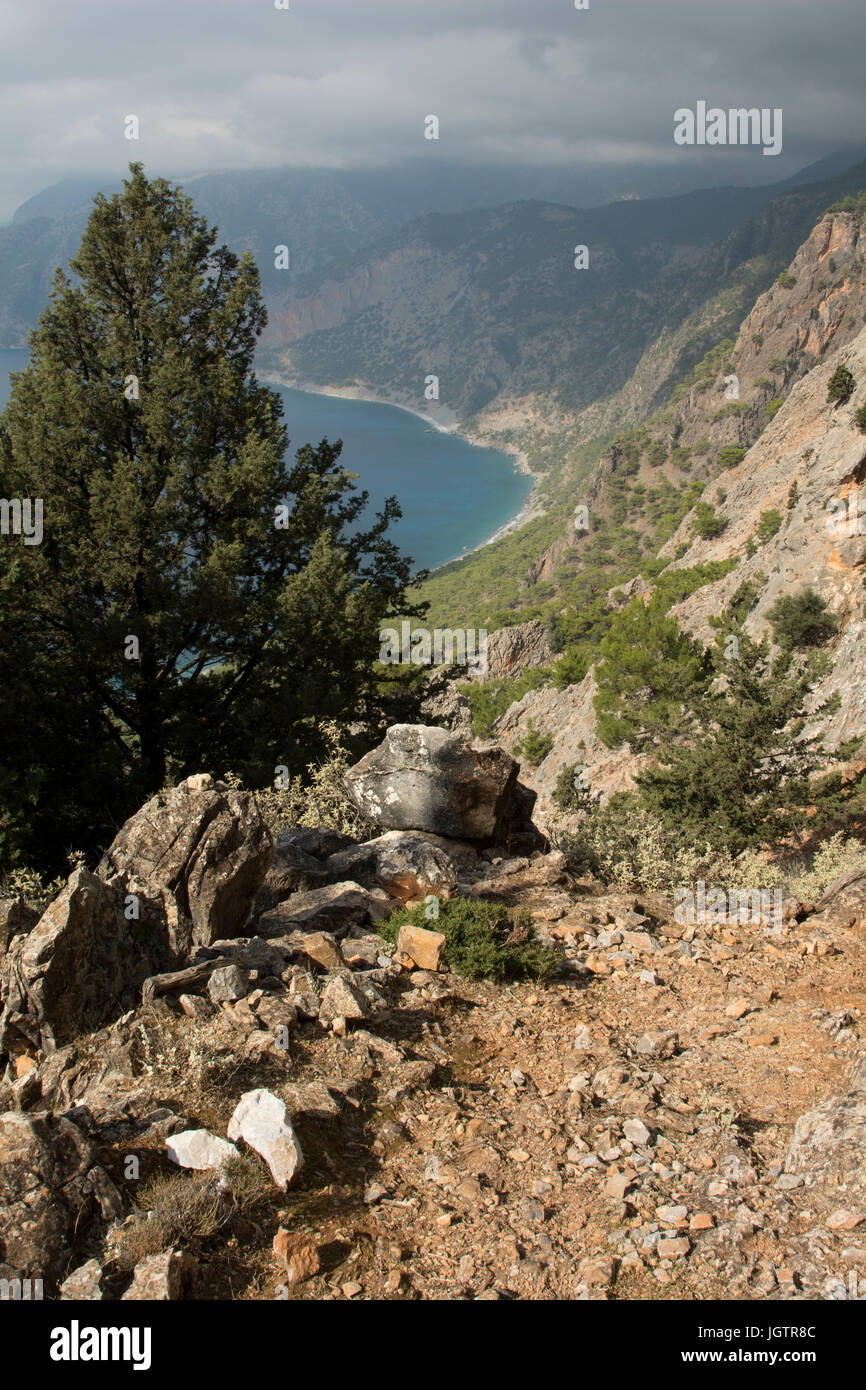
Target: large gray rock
column 202, row 843
column 292, row 871
column 81, row 966
column 51, row 1190
column 403, row 862
column 422, row 778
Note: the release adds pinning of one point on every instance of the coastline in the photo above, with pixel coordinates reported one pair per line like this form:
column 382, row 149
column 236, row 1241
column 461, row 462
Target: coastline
column 446, row 424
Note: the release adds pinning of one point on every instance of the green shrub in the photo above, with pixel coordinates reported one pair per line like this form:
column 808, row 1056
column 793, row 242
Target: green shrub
column 802, row 620
column 731, row 455
column 774, row 406
column 706, row 524
column 769, row 524
column 786, row 280
column 860, row 418
column 483, row 940
column 534, row 746
column 840, row 387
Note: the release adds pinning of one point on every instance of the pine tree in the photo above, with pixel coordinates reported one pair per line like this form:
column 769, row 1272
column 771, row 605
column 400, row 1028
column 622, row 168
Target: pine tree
column 197, row 600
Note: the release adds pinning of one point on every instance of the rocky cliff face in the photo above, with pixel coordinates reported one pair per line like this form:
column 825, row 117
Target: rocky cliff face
column 805, row 459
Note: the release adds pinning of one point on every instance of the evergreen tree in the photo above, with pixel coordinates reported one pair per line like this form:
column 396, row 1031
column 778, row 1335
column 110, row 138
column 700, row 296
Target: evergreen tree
column 650, row 672
column 197, row 600
column 741, row 777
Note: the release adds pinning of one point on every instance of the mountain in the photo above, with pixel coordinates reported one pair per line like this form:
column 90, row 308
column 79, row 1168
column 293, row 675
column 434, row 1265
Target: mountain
column 491, row 303
column 777, row 472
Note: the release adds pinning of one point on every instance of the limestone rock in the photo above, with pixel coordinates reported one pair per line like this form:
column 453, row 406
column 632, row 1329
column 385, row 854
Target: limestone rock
column 84, row 1284
column 160, row 1278
column 51, row 1188
column 81, row 966
column 204, row 844
column 261, row 1120
column 425, row 947
column 403, row 862
column 336, row 908
column 424, row 778
column 198, row 1148
column 228, row 983
column 342, row 999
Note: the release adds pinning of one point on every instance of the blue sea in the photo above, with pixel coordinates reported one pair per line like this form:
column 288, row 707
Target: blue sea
column 454, row 495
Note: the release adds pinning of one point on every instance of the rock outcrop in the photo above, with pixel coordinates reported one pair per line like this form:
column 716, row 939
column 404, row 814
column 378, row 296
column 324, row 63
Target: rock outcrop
column 423, row 778
column 81, row 965
column 204, row 844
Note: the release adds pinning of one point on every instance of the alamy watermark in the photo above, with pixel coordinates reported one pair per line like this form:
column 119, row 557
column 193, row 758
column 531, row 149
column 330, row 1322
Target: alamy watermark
column 22, row 516
column 736, row 126
column 441, row 647
column 757, row 905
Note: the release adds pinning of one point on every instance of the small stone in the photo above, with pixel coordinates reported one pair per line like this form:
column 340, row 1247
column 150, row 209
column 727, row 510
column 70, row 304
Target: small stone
column 673, row 1247
column 636, row 1132
column 701, row 1221
column 195, row 1007
column 374, row 1193
column 323, row 949
column 786, row 1182
column 351, row 1289
column 738, row 1008
column 672, row 1216
column 425, row 947
column 342, row 999
column 198, row 1148
column 717, row 1189
column 518, row 1155
column 298, row 1254
column 648, row 977
column 763, row 1040
column 617, row 1185
column 392, row 1283
column 844, row 1220
column 228, row 983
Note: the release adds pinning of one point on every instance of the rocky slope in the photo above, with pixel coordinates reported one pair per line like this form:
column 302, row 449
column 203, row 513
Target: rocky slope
column 299, row 1109
column 804, row 459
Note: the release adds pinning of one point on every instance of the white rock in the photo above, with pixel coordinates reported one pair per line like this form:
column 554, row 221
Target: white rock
column 261, row 1120
column 198, row 1148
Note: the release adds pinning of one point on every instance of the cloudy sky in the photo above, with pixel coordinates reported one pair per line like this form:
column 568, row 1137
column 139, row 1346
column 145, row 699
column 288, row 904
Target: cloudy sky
column 240, row 83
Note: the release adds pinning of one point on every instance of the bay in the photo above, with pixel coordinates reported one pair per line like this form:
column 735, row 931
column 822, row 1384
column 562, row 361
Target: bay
column 453, row 494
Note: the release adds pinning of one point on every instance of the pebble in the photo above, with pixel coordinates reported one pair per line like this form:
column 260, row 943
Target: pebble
column 636, row 1132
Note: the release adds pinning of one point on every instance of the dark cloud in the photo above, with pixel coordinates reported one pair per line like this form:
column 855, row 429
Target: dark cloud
column 223, row 83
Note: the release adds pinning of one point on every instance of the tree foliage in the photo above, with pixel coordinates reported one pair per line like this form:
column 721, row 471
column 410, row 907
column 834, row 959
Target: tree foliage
column 199, row 599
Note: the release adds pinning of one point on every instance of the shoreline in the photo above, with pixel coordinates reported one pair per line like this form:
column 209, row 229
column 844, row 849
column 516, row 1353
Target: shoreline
column 528, row 511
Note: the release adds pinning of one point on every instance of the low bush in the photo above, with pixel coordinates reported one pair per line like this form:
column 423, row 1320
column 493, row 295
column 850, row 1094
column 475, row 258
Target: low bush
column 483, row 941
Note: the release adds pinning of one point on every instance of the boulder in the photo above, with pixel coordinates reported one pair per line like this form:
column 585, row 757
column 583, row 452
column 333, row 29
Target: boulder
column 204, row 844
column 51, row 1190
column 83, row 1285
column 81, row 966
column 511, row 650
column 422, row 778
column 336, row 908
column 261, row 1120
column 228, row 983
column 402, row 862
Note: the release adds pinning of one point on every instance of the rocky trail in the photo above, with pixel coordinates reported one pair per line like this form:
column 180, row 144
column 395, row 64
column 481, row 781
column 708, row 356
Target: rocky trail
column 677, row 1112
